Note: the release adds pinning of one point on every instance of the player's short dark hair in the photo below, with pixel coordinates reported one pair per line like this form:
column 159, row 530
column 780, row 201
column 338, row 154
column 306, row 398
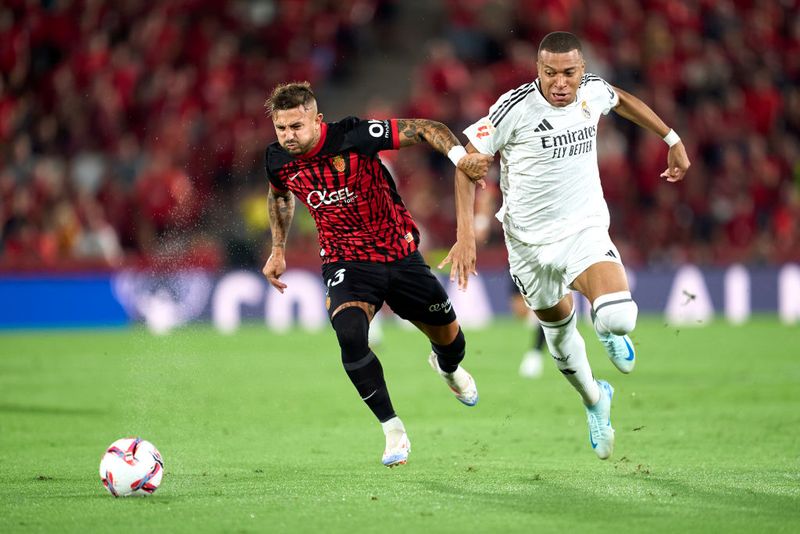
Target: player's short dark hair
column 289, row 96
column 560, row 43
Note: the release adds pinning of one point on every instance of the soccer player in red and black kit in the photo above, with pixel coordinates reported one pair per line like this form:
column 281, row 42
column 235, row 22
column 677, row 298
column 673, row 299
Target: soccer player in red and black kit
column 368, row 240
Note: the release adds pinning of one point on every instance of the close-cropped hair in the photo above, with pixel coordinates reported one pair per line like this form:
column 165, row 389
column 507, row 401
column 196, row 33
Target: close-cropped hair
column 289, row 96
column 560, row 43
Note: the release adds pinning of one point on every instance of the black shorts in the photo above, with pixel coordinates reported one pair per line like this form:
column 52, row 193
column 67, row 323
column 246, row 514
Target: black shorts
column 406, row 285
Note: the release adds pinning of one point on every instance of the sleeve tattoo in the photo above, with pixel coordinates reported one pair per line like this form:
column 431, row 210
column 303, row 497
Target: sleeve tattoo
column 413, row 131
column 281, row 212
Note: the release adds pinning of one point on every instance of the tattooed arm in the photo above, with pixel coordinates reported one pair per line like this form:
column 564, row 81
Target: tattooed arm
column 439, row 136
column 281, row 212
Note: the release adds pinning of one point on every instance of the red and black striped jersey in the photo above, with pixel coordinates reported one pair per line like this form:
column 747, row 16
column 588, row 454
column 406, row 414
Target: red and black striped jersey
column 348, row 191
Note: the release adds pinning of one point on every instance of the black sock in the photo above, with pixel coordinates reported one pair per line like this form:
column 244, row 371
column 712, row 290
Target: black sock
column 367, row 376
column 360, row 363
column 449, row 356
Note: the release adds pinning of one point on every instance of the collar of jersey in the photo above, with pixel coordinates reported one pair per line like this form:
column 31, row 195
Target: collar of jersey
column 543, row 99
column 322, row 134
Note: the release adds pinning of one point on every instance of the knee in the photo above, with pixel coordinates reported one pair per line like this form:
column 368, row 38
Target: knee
column 352, row 331
column 617, row 316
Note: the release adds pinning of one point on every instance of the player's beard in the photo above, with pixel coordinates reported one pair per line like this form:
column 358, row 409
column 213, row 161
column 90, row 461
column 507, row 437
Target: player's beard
column 295, row 148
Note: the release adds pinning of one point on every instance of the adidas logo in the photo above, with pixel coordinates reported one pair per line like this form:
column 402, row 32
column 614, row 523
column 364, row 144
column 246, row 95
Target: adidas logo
column 611, row 253
column 543, row 126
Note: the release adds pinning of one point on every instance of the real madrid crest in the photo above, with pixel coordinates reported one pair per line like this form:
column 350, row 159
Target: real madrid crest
column 586, row 111
column 338, row 163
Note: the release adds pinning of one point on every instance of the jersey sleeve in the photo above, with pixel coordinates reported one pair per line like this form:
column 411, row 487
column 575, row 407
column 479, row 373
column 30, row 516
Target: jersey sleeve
column 274, row 182
column 371, row 136
column 602, row 91
column 493, row 131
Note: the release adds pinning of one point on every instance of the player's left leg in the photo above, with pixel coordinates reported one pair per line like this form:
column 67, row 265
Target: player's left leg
column 364, row 369
column 354, row 295
column 614, row 312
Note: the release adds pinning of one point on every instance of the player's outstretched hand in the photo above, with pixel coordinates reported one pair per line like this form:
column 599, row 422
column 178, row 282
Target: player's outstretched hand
column 677, row 163
column 476, row 166
column 462, row 257
column 273, row 269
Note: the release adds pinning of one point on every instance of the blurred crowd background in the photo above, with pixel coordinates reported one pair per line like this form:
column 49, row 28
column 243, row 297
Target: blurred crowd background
column 132, row 132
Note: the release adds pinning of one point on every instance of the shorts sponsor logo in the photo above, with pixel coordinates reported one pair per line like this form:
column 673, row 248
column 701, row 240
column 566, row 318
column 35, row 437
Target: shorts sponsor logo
column 444, row 307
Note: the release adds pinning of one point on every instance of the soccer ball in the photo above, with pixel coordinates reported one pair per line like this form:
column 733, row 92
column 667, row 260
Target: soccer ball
column 131, row 466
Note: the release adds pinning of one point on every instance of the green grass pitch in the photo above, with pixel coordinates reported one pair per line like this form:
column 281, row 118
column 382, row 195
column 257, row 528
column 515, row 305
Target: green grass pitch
column 262, row 432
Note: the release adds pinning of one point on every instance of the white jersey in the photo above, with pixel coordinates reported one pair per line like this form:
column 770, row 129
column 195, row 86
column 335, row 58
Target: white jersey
column 548, row 160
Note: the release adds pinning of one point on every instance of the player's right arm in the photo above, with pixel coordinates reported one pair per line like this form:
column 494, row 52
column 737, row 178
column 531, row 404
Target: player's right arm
column 463, row 256
column 412, row 131
column 281, row 212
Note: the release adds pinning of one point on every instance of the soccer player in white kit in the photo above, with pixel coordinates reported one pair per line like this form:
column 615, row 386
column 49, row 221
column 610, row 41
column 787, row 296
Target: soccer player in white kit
column 555, row 219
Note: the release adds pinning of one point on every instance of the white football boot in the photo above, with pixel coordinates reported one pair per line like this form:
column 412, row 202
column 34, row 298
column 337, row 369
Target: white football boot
column 620, row 351
column 459, row 381
column 397, row 444
column 601, row 433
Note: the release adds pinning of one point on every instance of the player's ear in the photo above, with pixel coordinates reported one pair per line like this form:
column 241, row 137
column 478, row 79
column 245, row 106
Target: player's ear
column 318, row 119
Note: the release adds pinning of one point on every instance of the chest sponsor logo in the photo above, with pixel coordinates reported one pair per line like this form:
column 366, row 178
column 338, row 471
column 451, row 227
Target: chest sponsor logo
column 339, row 197
column 571, row 142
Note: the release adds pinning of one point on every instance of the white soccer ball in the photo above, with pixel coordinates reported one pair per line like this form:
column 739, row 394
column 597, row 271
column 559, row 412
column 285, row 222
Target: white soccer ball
column 131, row 466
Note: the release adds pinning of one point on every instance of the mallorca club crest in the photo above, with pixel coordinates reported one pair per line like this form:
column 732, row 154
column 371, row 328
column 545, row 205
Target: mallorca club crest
column 587, row 113
column 338, row 163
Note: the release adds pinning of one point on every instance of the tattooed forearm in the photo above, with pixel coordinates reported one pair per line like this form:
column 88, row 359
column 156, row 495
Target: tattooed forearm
column 281, row 213
column 439, row 136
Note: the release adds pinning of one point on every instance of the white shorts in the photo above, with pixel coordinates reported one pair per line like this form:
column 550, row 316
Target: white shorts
column 544, row 273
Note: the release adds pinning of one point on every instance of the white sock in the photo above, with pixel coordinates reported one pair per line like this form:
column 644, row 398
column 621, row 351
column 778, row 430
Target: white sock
column 393, row 424
column 614, row 313
column 569, row 352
